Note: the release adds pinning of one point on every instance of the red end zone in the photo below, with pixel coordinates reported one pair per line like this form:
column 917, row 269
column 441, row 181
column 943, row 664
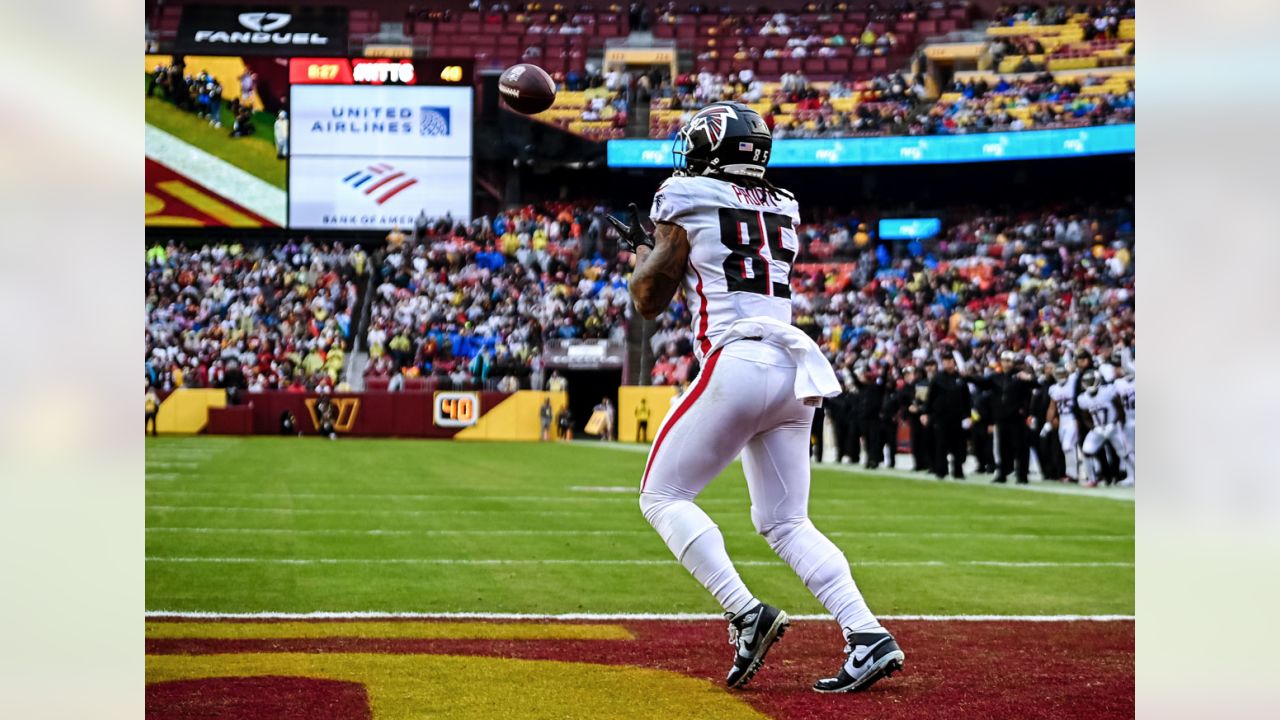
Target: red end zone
column 954, row 669
column 175, row 200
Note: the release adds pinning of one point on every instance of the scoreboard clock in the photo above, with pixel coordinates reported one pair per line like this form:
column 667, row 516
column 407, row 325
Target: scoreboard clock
column 456, row 409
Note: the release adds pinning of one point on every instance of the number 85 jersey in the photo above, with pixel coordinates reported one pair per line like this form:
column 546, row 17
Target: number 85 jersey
column 742, row 242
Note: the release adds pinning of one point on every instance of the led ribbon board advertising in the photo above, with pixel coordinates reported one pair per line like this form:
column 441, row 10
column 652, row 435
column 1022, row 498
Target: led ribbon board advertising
column 910, row 150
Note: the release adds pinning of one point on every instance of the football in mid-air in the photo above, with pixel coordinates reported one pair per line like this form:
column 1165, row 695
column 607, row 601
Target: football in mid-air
column 527, row 88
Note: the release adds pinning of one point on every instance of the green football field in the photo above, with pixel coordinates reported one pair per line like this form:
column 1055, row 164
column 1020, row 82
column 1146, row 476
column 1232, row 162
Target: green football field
column 304, row 525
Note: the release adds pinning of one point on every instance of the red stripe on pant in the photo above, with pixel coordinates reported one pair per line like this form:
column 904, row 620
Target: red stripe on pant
column 695, row 392
column 702, row 312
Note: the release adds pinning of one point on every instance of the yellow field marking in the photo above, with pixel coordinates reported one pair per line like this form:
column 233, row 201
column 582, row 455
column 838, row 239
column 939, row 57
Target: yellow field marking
column 386, row 630
column 401, row 687
column 196, row 199
column 154, row 205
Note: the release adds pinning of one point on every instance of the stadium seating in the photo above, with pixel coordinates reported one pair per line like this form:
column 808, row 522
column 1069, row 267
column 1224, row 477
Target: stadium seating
column 557, row 42
column 587, row 113
column 283, row 313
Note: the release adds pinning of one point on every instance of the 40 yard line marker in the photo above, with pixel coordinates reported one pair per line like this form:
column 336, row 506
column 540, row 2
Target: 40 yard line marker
column 602, row 617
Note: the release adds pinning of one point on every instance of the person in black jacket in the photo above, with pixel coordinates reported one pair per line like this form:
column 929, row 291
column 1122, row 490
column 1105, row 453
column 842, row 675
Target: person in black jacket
column 947, row 412
column 983, row 431
column 836, row 408
column 871, row 395
column 854, row 431
column 889, row 413
column 1011, row 401
column 816, row 431
column 911, row 399
column 1043, row 439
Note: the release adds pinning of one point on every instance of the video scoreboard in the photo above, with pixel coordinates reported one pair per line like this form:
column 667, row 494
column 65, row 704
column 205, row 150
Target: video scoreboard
column 376, row 141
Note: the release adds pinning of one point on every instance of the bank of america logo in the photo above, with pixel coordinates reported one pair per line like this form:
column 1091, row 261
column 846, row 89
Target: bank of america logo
column 379, row 182
column 433, row 120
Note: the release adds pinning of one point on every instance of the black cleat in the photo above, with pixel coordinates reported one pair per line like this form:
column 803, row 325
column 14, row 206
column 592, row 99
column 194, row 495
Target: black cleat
column 753, row 632
column 871, row 656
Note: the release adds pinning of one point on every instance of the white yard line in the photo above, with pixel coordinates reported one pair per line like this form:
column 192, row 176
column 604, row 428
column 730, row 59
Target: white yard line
column 338, row 511
column 381, row 496
column 217, row 174
column 1019, row 537
column 597, row 617
column 975, row 480
column 378, row 532
column 580, row 561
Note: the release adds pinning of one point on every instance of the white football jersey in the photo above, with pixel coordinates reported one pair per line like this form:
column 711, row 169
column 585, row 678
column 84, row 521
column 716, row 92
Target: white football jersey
column 742, row 242
column 1063, row 396
column 1127, row 389
column 1101, row 407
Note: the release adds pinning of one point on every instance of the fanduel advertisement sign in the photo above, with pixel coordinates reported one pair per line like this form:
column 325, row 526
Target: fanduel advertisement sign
column 213, row 29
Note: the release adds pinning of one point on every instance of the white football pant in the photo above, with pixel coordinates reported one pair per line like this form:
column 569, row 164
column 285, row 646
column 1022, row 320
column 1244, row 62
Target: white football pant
column 1068, row 436
column 743, row 401
column 1114, row 435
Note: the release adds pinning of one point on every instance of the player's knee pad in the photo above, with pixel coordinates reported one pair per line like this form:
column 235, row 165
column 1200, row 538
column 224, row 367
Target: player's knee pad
column 678, row 521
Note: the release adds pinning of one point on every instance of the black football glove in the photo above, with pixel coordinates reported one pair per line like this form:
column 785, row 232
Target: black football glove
column 633, row 235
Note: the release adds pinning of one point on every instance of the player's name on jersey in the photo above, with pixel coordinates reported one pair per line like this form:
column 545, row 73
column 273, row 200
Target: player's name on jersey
column 754, row 196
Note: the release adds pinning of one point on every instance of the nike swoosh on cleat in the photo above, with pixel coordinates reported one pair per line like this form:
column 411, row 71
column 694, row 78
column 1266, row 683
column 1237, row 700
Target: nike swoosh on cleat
column 859, row 662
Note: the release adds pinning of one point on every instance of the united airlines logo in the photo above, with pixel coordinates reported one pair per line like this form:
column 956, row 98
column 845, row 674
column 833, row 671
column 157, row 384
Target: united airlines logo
column 434, row 121
column 379, row 182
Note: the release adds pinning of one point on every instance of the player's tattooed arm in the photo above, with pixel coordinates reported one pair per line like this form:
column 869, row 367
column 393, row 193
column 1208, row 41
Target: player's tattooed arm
column 659, row 270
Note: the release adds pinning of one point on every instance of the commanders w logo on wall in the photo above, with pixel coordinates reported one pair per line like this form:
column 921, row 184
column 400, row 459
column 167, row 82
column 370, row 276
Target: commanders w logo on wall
column 347, row 410
column 381, row 179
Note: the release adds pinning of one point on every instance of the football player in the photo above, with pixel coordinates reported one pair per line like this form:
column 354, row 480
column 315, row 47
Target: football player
column 1102, row 407
column 1062, row 414
column 727, row 236
column 1126, row 386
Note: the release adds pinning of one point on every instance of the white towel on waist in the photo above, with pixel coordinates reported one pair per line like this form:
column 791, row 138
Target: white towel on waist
column 814, row 376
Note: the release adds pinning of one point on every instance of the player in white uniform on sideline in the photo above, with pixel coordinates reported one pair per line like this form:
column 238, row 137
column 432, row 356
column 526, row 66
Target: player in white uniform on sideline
column 1126, row 386
column 728, row 237
column 1102, row 405
column 1062, row 412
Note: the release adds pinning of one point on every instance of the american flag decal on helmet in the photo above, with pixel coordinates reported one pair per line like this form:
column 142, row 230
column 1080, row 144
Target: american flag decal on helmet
column 746, row 146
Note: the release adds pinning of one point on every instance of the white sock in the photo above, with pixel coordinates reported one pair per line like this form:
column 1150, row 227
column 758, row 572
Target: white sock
column 709, row 563
column 825, row 571
column 697, row 543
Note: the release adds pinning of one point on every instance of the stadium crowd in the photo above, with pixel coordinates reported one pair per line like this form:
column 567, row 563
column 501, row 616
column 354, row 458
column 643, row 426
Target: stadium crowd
column 250, row 318
column 201, row 94
column 1044, row 288
column 895, row 104
column 1103, row 18
column 471, row 304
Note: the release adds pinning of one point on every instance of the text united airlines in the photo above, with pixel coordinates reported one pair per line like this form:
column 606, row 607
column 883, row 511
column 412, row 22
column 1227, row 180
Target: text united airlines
column 366, row 120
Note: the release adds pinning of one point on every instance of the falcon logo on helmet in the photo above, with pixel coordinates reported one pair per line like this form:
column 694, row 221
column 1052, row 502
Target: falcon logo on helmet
column 713, row 121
